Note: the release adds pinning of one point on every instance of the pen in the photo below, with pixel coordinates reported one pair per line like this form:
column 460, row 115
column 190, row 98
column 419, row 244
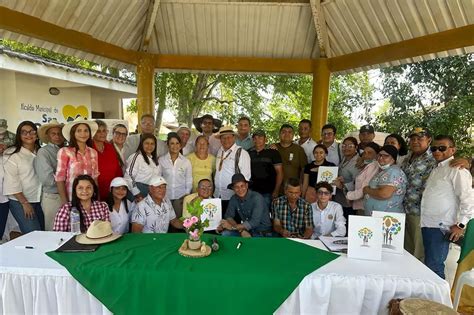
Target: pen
column 238, row 245
column 24, row 247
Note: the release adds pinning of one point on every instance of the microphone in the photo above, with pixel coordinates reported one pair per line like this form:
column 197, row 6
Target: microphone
column 215, row 245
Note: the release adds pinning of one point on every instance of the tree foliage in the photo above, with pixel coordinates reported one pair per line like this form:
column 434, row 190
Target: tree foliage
column 436, row 94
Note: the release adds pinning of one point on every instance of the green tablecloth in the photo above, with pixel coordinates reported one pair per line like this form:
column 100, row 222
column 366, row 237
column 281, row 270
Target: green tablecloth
column 144, row 274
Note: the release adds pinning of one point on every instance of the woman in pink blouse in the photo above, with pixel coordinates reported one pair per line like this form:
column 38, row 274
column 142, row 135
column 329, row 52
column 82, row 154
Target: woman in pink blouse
column 79, row 158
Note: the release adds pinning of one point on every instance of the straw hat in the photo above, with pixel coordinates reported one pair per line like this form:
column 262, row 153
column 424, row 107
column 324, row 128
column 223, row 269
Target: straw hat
column 79, row 120
column 43, row 130
column 226, row 130
column 99, row 232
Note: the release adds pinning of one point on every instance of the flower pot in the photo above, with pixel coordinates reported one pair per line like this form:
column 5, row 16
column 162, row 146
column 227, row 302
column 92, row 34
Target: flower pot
column 194, row 244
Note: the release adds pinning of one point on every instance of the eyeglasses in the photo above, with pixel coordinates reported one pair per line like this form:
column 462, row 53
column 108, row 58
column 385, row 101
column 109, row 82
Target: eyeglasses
column 327, row 133
column 205, row 187
column 440, row 148
column 350, row 146
column 31, row 132
column 384, row 156
column 323, row 192
column 120, row 134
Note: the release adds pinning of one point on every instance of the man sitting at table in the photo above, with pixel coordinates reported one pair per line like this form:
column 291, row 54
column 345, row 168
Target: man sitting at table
column 204, row 191
column 251, row 208
column 155, row 212
column 328, row 217
column 293, row 216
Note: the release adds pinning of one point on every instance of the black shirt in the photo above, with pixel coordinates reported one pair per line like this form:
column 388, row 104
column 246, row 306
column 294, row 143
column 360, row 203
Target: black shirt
column 312, row 170
column 263, row 170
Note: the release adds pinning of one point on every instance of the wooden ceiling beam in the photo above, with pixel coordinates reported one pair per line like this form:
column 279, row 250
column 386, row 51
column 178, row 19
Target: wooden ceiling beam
column 31, row 26
column 442, row 41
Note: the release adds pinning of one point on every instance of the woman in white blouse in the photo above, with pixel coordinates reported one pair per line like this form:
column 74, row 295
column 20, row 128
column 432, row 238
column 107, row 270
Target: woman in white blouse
column 120, row 208
column 141, row 167
column 177, row 172
column 21, row 184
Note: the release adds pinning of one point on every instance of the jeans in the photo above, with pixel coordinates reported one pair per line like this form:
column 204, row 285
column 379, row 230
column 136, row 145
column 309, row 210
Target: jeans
column 436, row 249
column 4, row 208
column 267, row 198
column 28, row 225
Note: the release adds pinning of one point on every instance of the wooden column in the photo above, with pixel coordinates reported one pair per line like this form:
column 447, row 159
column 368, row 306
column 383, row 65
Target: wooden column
column 145, row 87
column 319, row 108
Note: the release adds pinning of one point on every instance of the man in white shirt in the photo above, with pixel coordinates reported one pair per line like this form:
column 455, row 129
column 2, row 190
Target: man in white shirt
column 187, row 140
column 155, row 213
column 305, row 140
column 231, row 159
column 328, row 216
column 447, row 205
column 328, row 135
column 147, row 125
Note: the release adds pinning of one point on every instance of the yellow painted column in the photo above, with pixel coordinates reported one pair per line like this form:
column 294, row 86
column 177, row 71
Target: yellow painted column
column 145, row 87
column 320, row 97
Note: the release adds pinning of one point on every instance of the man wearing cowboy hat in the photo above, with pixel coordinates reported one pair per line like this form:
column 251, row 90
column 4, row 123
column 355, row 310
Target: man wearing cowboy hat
column 250, row 207
column 45, row 167
column 147, row 125
column 155, row 213
column 231, row 159
column 209, row 125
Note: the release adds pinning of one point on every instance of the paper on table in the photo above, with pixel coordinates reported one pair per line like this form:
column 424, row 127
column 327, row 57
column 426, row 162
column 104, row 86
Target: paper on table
column 328, row 174
column 365, row 238
column 212, row 212
column 393, row 231
column 334, row 244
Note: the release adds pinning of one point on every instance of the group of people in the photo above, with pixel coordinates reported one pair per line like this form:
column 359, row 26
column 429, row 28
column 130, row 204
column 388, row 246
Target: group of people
column 141, row 183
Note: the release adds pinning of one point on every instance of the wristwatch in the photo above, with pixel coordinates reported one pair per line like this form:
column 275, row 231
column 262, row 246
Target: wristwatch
column 461, row 226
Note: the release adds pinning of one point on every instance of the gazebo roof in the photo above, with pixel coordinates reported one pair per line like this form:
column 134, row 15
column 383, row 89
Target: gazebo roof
column 289, row 30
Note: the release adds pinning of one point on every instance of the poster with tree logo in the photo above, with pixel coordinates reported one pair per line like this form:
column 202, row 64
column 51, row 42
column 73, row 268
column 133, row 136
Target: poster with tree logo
column 364, row 239
column 393, row 230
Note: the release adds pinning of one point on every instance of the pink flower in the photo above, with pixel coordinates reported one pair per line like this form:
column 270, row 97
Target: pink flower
column 194, row 219
column 187, row 223
column 194, row 234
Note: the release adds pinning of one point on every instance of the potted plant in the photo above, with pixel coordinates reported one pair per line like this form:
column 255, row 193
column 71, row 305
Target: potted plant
column 193, row 224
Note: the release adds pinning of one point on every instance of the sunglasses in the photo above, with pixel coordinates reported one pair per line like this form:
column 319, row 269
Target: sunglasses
column 323, row 192
column 440, row 148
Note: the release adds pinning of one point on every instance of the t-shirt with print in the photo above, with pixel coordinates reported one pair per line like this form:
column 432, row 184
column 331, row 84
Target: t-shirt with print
column 154, row 218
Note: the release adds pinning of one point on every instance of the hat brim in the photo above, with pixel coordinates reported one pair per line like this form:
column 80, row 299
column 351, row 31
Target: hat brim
column 83, row 239
column 43, row 130
column 67, row 127
column 198, row 121
column 218, row 135
column 231, row 185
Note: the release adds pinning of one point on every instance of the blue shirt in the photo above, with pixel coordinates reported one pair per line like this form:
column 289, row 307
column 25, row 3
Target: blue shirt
column 252, row 210
column 246, row 144
column 393, row 176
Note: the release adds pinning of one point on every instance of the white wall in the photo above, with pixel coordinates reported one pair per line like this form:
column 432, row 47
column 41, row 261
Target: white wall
column 26, row 97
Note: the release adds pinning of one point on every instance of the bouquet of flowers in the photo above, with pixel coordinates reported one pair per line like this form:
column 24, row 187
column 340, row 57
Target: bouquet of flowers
column 193, row 225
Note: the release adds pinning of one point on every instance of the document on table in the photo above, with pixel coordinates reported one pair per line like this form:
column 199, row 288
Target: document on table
column 334, row 244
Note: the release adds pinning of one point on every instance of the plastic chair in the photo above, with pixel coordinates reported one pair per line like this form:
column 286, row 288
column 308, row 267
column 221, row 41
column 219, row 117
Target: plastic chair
column 467, row 277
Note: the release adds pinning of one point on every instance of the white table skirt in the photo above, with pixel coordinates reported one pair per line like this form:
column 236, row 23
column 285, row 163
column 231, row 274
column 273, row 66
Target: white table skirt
column 32, row 283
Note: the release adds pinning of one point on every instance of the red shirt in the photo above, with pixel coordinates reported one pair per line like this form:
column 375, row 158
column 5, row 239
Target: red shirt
column 109, row 168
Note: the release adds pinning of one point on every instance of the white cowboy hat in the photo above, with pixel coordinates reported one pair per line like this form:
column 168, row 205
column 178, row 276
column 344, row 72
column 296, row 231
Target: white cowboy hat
column 226, row 130
column 43, row 130
column 99, row 232
column 79, row 120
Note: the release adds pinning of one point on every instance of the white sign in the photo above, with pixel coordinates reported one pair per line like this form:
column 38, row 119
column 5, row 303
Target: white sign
column 328, row 174
column 212, row 212
column 364, row 238
column 393, row 230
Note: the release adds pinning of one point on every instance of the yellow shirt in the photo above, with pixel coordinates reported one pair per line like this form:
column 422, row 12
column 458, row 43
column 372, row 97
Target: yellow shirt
column 201, row 168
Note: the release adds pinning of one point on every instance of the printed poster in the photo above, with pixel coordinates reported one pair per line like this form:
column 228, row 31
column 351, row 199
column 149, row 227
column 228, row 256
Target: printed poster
column 365, row 239
column 212, row 212
column 328, row 174
column 393, row 230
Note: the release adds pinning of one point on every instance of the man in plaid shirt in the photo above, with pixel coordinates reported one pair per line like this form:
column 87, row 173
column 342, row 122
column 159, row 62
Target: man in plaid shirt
column 293, row 216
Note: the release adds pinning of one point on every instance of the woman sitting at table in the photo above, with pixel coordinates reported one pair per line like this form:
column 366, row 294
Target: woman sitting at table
column 84, row 199
column 119, row 206
column 311, row 172
column 387, row 188
column 328, row 216
column 142, row 166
